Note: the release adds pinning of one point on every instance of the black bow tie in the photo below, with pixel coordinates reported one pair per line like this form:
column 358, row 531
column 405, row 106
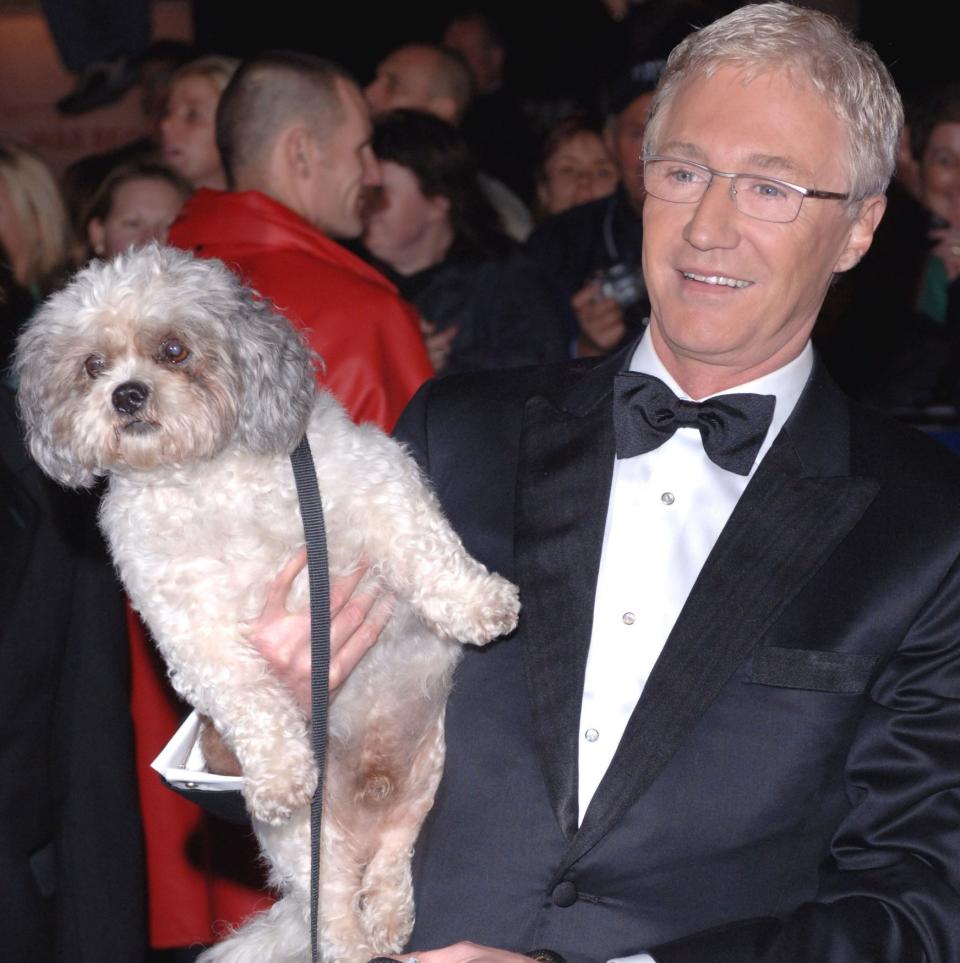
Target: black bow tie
column 646, row 413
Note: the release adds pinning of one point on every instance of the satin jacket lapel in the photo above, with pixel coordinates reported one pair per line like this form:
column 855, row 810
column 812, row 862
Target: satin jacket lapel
column 798, row 507
column 566, row 463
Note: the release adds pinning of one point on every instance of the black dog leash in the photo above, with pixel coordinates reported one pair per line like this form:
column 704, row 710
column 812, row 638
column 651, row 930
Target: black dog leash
column 311, row 512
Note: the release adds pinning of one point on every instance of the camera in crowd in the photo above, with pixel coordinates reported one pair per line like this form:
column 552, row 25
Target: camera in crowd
column 622, row 283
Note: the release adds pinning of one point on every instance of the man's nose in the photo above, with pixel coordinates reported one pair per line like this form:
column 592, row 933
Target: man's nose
column 371, row 169
column 371, row 95
column 713, row 220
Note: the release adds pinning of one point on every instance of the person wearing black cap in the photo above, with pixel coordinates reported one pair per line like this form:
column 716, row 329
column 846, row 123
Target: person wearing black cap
column 590, row 255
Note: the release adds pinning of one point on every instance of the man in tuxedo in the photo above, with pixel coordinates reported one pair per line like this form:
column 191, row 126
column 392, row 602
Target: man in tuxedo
column 727, row 727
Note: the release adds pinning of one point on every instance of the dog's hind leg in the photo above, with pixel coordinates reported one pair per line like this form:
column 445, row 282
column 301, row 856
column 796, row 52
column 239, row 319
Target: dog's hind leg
column 387, row 908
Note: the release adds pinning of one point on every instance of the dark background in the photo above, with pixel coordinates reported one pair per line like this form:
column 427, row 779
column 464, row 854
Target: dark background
column 556, row 50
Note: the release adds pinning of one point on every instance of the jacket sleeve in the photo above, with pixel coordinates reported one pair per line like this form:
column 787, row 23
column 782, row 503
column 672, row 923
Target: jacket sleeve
column 889, row 891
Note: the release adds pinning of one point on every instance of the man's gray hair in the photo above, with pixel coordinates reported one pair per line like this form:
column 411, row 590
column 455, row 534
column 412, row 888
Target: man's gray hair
column 846, row 72
column 266, row 94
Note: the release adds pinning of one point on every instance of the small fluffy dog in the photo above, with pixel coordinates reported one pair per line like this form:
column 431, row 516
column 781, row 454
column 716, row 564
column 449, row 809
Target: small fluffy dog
column 163, row 372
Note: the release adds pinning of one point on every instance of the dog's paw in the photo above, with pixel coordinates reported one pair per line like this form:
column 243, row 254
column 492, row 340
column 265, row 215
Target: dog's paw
column 274, row 795
column 386, row 915
column 489, row 613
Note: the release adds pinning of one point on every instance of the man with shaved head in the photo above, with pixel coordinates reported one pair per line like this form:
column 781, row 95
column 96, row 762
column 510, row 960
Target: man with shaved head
column 294, row 134
column 427, row 77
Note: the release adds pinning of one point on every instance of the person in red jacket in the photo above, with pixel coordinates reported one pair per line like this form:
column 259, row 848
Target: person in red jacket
column 294, row 133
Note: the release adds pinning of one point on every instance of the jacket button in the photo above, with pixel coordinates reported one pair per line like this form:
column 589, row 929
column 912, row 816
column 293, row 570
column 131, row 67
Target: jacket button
column 565, row 893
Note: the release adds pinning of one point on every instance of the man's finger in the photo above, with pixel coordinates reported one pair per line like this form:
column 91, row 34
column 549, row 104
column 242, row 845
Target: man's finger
column 369, row 618
column 283, row 582
column 343, row 586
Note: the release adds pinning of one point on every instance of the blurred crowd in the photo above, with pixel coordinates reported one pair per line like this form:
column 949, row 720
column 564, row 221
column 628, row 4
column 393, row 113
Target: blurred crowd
column 423, row 224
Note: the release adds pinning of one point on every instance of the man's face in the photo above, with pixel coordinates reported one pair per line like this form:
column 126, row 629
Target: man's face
column 625, row 139
column 344, row 166
column 403, row 79
column 734, row 297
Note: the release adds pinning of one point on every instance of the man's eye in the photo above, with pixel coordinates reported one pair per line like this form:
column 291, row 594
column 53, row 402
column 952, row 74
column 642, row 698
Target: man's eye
column 685, row 175
column 768, row 190
column 174, row 351
column 95, row 365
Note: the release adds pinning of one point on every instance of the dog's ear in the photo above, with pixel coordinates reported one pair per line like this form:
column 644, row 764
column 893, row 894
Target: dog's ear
column 278, row 384
column 43, row 398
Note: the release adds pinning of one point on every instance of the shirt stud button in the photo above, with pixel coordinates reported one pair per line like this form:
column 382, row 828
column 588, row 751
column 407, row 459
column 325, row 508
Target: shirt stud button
column 591, row 735
column 667, row 498
column 629, row 618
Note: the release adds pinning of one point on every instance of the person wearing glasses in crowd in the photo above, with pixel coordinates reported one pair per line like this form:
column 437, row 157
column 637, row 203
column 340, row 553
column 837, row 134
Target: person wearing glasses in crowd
column 589, row 254
column 727, row 725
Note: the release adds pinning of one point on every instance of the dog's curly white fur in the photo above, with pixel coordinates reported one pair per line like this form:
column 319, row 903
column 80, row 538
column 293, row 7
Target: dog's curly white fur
column 163, row 372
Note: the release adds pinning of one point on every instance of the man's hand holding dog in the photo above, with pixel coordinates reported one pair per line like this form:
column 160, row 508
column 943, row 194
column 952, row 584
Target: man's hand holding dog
column 283, row 637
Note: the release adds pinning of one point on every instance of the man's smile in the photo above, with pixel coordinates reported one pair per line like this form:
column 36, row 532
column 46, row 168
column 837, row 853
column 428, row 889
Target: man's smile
column 716, row 279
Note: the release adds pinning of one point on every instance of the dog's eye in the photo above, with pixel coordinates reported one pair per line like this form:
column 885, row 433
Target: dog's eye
column 94, row 365
column 174, row 351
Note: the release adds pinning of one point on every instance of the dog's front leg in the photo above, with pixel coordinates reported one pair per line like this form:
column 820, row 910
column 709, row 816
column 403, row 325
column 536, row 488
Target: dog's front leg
column 420, row 557
column 262, row 725
column 270, row 739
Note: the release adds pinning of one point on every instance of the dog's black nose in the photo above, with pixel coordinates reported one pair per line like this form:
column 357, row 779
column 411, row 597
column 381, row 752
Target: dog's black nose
column 130, row 397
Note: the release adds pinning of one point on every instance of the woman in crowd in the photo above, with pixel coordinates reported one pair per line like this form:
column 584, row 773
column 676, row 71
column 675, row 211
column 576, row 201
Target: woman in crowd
column 436, row 236
column 34, row 234
column 136, row 204
column 33, row 221
column 576, row 165
column 188, row 129
column 936, row 145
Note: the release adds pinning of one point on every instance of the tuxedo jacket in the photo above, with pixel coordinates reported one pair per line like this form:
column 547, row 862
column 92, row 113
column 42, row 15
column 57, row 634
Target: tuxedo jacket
column 788, row 785
column 71, row 871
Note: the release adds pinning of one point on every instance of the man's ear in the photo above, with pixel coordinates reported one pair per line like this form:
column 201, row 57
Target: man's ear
column 861, row 232
column 298, row 148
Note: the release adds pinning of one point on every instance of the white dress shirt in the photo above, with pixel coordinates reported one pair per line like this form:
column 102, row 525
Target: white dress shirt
column 666, row 511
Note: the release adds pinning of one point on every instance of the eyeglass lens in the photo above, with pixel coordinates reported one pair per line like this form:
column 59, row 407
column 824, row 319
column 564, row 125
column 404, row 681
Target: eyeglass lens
column 763, row 198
